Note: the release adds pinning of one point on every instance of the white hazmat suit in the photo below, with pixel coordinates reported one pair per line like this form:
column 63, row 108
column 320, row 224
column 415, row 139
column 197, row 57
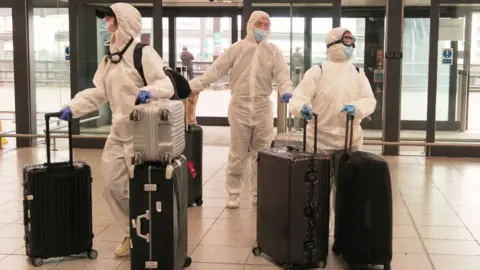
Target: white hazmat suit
column 120, row 84
column 253, row 67
column 326, row 91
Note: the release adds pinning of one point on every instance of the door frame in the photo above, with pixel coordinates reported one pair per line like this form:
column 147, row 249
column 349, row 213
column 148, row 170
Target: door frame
column 435, row 11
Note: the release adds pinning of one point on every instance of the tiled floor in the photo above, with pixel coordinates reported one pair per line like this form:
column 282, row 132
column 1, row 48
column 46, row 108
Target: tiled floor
column 436, row 217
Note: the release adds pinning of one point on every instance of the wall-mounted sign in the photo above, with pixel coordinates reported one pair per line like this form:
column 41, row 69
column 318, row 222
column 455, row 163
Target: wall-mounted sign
column 393, row 55
column 67, row 52
column 451, row 29
column 447, row 56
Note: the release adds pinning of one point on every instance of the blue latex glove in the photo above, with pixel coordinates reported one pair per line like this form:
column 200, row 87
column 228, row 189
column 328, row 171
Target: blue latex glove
column 285, row 98
column 349, row 109
column 142, row 97
column 66, row 114
column 306, row 112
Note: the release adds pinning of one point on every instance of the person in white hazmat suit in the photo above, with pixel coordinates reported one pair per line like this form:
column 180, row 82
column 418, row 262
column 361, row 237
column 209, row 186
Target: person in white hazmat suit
column 118, row 82
column 253, row 64
column 332, row 91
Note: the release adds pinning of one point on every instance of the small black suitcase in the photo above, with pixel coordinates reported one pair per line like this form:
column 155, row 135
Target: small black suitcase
column 194, row 154
column 57, row 204
column 158, row 216
column 363, row 214
column 293, row 206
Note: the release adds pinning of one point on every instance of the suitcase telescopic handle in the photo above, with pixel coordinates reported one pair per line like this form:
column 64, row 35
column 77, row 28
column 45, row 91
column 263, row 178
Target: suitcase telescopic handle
column 349, row 134
column 138, row 226
column 315, row 133
column 47, row 137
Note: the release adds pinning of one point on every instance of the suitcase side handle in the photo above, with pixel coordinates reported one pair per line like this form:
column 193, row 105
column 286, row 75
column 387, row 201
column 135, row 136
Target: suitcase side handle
column 138, row 226
column 47, row 137
column 315, row 134
column 349, row 135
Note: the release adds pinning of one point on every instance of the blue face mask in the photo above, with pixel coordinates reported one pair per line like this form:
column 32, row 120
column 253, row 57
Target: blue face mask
column 348, row 51
column 259, row 34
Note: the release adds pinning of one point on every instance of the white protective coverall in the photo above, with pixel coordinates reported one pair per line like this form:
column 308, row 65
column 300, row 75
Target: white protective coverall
column 253, row 67
column 327, row 90
column 120, row 84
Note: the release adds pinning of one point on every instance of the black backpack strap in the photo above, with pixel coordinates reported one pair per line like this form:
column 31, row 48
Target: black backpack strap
column 137, row 60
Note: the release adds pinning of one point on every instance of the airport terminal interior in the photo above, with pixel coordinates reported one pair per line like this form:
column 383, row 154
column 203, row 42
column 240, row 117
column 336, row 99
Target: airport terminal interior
column 422, row 58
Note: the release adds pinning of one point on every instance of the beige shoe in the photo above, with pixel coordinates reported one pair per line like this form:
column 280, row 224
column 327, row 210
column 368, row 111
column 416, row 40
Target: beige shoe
column 233, row 201
column 123, row 250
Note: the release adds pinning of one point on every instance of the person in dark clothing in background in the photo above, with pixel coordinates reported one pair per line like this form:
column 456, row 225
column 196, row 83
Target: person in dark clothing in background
column 187, row 61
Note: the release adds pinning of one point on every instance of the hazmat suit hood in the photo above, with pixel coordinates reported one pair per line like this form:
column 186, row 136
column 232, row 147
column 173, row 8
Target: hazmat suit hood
column 335, row 53
column 256, row 15
column 129, row 23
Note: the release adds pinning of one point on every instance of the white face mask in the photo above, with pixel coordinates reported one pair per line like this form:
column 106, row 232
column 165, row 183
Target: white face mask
column 259, row 34
column 348, row 50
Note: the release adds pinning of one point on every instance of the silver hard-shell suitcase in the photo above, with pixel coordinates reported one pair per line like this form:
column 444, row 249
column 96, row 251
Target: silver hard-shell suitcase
column 159, row 133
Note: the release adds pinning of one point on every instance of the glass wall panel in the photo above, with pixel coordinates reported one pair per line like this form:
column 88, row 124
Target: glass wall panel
column 52, row 66
column 206, row 39
column 7, row 86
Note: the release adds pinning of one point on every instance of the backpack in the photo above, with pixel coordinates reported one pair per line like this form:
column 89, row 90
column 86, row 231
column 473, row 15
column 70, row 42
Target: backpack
column 181, row 86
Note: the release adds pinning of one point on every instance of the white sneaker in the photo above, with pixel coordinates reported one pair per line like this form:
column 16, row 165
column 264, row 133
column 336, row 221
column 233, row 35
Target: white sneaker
column 233, row 201
column 123, row 250
column 254, row 199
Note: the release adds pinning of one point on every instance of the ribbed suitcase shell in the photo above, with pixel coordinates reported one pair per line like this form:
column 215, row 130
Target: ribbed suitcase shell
column 363, row 219
column 159, row 130
column 194, row 154
column 167, row 226
column 293, row 207
column 57, row 209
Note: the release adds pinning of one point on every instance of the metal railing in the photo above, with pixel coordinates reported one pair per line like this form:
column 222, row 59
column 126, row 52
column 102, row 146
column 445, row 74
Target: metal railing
column 8, row 134
column 365, row 142
column 57, row 128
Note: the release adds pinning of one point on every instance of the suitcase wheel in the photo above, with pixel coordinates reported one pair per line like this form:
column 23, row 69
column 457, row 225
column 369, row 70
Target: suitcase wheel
column 322, row 263
column 257, row 251
column 335, row 250
column 37, row 262
column 92, row 254
column 198, row 202
column 188, row 262
column 386, row 266
column 287, row 267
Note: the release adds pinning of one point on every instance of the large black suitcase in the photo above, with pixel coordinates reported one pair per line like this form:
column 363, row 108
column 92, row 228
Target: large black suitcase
column 158, row 215
column 363, row 214
column 293, row 206
column 57, row 204
column 194, row 154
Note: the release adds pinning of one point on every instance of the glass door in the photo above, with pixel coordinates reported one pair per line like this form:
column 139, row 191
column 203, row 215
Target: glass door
column 205, row 38
column 454, row 64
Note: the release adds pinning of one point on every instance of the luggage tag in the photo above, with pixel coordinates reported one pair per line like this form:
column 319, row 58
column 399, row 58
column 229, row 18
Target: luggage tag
column 191, row 169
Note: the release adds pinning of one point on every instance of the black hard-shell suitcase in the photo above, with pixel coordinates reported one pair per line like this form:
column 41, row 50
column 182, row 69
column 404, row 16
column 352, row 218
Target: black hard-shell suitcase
column 363, row 214
column 158, row 216
column 194, row 154
column 293, row 206
column 57, row 204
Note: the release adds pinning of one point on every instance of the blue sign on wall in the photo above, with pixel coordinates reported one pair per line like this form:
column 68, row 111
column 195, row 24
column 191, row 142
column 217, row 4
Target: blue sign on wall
column 67, row 53
column 447, row 56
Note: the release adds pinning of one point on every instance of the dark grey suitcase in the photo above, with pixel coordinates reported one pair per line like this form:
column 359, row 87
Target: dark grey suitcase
column 57, row 204
column 363, row 218
column 293, row 206
column 158, row 214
